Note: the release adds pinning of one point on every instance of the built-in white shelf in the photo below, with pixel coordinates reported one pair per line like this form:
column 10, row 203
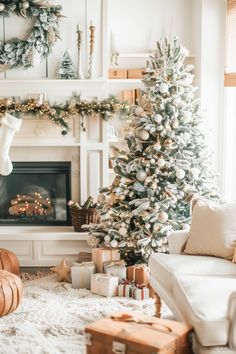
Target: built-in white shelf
column 142, row 55
column 125, row 81
column 41, row 233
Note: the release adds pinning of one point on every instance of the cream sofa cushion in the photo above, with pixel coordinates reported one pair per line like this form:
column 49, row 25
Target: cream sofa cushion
column 165, row 267
column 213, row 230
column 204, row 304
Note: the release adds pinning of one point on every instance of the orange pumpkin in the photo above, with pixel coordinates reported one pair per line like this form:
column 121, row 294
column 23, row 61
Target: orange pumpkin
column 10, row 292
column 9, row 261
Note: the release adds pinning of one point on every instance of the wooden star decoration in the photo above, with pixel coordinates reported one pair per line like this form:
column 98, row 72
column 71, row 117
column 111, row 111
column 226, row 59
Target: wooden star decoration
column 62, row 271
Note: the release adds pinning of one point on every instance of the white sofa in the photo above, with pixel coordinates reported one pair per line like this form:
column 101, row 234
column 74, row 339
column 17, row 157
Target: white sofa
column 200, row 291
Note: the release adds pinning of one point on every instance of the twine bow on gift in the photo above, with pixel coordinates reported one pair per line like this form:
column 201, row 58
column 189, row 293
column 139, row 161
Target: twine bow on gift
column 151, row 324
column 114, row 264
column 127, row 282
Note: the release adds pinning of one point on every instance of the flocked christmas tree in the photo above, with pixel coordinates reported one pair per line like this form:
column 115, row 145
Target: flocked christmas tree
column 167, row 164
column 66, row 68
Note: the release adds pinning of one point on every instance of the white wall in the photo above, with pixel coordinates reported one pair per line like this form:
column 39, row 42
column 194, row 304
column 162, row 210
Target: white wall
column 209, row 40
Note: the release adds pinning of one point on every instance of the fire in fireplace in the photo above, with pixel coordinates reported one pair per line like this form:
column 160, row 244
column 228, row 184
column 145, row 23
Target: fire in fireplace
column 36, row 193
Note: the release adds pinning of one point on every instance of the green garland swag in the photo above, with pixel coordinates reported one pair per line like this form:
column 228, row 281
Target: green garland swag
column 27, row 53
column 59, row 114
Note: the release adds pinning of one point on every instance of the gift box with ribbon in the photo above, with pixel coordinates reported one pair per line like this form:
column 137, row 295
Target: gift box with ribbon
column 125, row 288
column 140, row 292
column 136, row 333
column 101, row 255
column 81, row 274
column 104, row 284
column 116, row 268
column 139, row 273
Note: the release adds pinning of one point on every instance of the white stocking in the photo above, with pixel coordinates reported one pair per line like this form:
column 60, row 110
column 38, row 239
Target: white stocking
column 8, row 126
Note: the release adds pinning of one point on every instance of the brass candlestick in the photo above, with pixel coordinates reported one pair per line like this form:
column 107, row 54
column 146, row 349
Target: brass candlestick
column 79, row 45
column 91, row 68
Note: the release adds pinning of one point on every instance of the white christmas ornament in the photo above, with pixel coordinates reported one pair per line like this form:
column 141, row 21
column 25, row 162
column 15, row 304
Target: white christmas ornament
column 180, row 174
column 186, row 227
column 163, row 87
column 122, row 231
column 141, row 175
column 187, row 117
column 163, row 216
column 8, row 126
column 139, row 111
column 114, row 244
column 161, row 162
column 107, row 238
column 157, row 147
column 144, row 135
column 158, row 118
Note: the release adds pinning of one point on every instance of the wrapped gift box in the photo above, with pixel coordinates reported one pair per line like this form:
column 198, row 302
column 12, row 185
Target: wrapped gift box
column 131, row 332
column 140, row 292
column 116, row 268
column 101, row 255
column 81, row 274
column 138, row 273
column 125, row 289
column 104, row 284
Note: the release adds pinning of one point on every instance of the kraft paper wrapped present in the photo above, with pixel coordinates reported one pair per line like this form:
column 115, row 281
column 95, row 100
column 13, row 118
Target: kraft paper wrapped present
column 133, row 332
column 104, row 284
column 138, row 273
column 140, row 292
column 100, row 255
column 125, row 288
column 116, row 268
column 81, row 274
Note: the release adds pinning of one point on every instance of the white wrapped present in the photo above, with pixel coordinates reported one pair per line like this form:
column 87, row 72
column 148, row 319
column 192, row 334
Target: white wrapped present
column 125, row 289
column 140, row 292
column 81, row 274
column 104, row 284
column 116, row 268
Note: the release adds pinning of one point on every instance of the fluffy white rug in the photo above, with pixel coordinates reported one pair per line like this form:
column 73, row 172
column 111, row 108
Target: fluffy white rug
column 51, row 318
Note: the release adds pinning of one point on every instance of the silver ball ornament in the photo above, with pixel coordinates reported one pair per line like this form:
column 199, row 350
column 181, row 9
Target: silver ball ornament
column 180, row 174
column 187, row 117
column 144, row 135
column 163, row 87
column 163, row 216
column 114, row 243
column 122, row 231
column 141, row 175
column 161, row 162
column 157, row 118
column 107, row 238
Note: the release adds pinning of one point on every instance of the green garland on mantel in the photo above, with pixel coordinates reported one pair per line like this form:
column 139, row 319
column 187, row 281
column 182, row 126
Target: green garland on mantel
column 59, row 114
column 29, row 52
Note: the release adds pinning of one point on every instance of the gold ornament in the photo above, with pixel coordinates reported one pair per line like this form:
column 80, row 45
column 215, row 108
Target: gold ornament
column 62, row 271
column 7, row 101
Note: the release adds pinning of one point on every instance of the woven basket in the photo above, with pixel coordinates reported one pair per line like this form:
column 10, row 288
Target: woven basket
column 81, row 217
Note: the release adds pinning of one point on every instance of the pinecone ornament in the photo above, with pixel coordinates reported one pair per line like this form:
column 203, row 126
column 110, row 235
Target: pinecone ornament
column 51, row 36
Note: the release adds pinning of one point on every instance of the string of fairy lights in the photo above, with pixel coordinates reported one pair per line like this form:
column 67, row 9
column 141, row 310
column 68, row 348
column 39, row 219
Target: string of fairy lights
column 60, row 114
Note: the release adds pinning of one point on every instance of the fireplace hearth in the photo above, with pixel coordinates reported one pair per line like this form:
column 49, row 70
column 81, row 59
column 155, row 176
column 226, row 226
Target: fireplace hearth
column 36, row 193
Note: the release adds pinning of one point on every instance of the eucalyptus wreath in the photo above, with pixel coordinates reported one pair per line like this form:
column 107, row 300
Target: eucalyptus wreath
column 38, row 45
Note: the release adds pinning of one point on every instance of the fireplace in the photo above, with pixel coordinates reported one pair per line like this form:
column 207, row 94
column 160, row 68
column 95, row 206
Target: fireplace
column 36, row 193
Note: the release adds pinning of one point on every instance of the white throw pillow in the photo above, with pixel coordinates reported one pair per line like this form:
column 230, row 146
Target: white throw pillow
column 213, row 230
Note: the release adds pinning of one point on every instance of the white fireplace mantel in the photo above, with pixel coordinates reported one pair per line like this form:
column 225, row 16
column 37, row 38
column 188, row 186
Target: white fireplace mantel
column 43, row 246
